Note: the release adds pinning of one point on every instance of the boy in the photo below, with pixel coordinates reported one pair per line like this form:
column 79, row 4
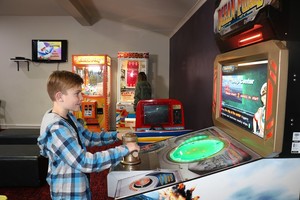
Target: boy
column 63, row 140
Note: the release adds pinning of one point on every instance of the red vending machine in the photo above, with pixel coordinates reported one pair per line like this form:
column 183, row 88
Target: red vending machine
column 95, row 71
column 129, row 65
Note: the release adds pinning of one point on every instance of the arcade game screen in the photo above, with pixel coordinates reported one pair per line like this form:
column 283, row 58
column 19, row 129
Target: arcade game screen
column 160, row 114
column 243, row 97
column 156, row 114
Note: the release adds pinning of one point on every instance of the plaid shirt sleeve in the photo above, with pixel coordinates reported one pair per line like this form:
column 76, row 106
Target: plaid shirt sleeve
column 93, row 138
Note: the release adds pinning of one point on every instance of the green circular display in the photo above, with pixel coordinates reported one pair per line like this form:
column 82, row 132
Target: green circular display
column 196, row 150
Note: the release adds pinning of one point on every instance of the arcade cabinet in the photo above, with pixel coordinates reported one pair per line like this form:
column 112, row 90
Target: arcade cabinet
column 159, row 119
column 95, row 72
column 254, row 109
column 129, row 65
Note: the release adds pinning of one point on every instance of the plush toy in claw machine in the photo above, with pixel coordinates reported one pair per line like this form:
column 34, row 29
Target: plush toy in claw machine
column 95, row 72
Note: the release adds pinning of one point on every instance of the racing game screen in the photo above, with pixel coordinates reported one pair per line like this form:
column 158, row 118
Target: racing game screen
column 244, row 91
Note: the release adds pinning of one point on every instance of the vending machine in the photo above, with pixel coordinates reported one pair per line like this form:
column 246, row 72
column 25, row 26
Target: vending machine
column 95, row 72
column 129, row 65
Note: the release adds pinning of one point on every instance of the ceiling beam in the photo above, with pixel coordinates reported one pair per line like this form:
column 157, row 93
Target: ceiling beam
column 82, row 11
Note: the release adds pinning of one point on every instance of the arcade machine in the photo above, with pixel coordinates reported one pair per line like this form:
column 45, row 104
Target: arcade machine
column 254, row 109
column 159, row 119
column 95, row 71
column 129, row 65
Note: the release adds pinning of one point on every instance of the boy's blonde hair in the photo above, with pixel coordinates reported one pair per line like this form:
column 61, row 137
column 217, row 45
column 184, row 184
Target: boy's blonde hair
column 61, row 81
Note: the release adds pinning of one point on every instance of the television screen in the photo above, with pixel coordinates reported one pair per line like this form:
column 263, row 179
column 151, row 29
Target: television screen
column 249, row 95
column 49, row 51
column 159, row 114
column 243, row 98
column 156, row 114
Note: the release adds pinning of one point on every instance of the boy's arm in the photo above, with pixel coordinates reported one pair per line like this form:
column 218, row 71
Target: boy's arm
column 66, row 147
column 99, row 139
column 93, row 138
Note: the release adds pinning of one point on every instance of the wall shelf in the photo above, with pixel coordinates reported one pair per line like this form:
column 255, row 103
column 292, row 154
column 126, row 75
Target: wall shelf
column 18, row 60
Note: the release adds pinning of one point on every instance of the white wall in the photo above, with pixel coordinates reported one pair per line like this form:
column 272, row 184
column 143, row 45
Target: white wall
column 23, row 93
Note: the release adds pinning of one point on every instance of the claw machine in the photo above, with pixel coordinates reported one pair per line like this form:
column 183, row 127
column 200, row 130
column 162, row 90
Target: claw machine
column 95, row 70
column 129, row 65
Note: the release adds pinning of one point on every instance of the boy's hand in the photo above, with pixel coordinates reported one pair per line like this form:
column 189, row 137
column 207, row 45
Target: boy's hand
column 120, row 134
column 132, row 146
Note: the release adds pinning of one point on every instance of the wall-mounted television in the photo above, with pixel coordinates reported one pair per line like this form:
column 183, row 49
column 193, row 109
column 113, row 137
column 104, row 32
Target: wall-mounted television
column 49, row 51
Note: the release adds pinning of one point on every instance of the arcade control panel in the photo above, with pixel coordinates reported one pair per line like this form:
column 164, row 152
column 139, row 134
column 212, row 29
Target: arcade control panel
column 187, row 157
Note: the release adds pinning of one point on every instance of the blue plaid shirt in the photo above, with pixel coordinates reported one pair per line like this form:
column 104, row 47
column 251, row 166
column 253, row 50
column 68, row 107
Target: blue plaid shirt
column 68, row 161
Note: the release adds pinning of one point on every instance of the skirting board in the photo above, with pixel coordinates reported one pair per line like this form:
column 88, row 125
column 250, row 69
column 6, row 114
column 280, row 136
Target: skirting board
column 20, row 126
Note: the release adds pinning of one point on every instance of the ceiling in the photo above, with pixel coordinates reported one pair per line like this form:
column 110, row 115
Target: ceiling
column 160, row 16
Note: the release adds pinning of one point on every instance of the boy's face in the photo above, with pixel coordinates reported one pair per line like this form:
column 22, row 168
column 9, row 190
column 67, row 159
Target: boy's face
column 72, row 99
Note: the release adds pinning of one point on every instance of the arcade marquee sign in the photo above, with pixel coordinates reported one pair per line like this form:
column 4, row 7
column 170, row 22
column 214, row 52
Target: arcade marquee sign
column 232, row 14
column 91, row 59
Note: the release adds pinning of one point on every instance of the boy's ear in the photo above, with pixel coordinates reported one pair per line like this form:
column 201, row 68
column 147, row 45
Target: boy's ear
column 58, row 97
